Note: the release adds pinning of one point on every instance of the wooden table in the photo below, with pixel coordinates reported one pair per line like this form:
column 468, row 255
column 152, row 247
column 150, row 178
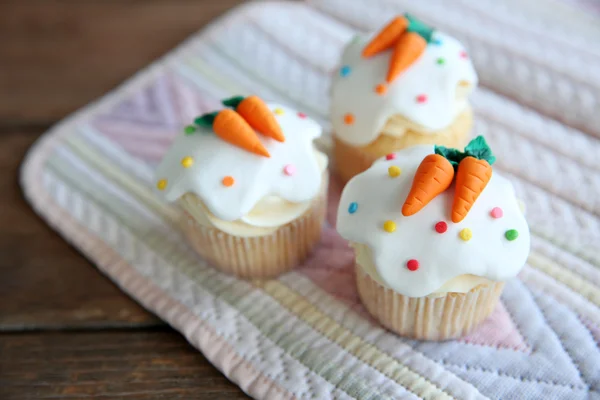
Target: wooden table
column 65, row 330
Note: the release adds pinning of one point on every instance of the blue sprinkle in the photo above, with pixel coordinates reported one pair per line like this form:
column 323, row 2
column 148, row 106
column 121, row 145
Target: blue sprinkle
column 353, row 207
column 436, row 42
column 345, row 71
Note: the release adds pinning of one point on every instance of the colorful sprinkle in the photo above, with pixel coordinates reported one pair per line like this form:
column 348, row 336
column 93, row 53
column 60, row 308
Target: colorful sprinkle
column 463, row 54
column 381, row 89
column 440, row 61
column 353, row 207
column 389, row 226
column 465, row 234
column 412, row 265
column 349, row 119
column 161, row 184
column 436, row 42
column 289, row 169
column 441, row 227
column 391, row 156
column 496, row 212
column 301, row 115
column 394, row 171
column 511, row 234
column 345, row 71
column 187, row 162
column 279, row 111
column 188, row 130
column 228, row 181
column 422, row 98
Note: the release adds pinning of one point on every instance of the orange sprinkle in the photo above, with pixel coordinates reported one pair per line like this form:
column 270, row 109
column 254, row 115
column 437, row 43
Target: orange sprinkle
column 381, row 89
column 228, row 181
column 349, row 119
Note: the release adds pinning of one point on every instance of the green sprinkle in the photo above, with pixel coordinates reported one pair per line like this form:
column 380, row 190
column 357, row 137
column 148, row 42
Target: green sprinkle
column 440, row 61
column 188, row 130
column 511, row 234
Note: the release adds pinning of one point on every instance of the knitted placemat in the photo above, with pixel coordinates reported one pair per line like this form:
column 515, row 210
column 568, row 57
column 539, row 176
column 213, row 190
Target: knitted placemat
column 305, row 335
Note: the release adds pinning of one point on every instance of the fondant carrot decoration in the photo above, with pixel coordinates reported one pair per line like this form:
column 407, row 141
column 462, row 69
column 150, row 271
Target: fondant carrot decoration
column 257, row 114
column 433, row 176
column 232, row 128
column 471, row 178
column 408, row 49
column 386, row 37
column 474, row 173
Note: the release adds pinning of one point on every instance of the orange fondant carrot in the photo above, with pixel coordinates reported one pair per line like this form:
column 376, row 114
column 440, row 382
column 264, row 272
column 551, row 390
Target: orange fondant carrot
column 407, row 50
column 386, row 37
column 260, row 117
column 231, row 127
column 471, row 178
column 433, row 176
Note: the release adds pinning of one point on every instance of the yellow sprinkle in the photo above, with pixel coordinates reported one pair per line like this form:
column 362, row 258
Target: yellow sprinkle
column 279, row 111
column 161, row 184
column 522, row 206
column 465, row 234
column 394, row 171
column 389, row 226
column 187, row 162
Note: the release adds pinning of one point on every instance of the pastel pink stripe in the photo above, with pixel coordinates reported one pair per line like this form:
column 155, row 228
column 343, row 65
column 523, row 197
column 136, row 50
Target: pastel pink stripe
column 221, row 354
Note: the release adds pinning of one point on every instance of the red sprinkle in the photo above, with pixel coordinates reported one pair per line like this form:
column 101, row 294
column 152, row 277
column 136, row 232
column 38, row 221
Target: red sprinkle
column 412, row 265
column 301, row 115
column 422, row 98
column 441, row 227
column 390, row 156
column 463, row 54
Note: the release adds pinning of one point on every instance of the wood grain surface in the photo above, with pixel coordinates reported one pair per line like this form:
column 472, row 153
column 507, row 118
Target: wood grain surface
column 59, row 55
column 66, row 331
column 155, row 364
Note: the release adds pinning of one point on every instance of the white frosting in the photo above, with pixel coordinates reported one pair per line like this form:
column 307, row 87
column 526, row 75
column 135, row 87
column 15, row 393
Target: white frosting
column 259, row 182
column 460, row 284
column 441, row 256
column 355, row 93
column 267, row 216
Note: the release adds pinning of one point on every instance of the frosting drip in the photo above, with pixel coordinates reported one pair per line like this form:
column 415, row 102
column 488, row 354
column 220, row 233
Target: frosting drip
column 268, row 215
column 417, row 255
column 460, row 284
column 431, row 93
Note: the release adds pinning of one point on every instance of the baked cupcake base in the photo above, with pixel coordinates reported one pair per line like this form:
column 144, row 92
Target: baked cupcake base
column 352, row 160
column 427, row 318
column 261, row 256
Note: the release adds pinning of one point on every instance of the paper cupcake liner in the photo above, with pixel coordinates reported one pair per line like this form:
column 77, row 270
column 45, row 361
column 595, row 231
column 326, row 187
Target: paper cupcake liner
column 427, row 318
column 260, row 256
column 352, row 160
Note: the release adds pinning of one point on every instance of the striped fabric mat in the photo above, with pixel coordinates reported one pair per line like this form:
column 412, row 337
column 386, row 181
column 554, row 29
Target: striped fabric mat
column 305, row 335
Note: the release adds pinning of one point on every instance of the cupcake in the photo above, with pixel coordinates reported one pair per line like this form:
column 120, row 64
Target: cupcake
column 407, row 85
column 252, row 186
column 436, row 234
